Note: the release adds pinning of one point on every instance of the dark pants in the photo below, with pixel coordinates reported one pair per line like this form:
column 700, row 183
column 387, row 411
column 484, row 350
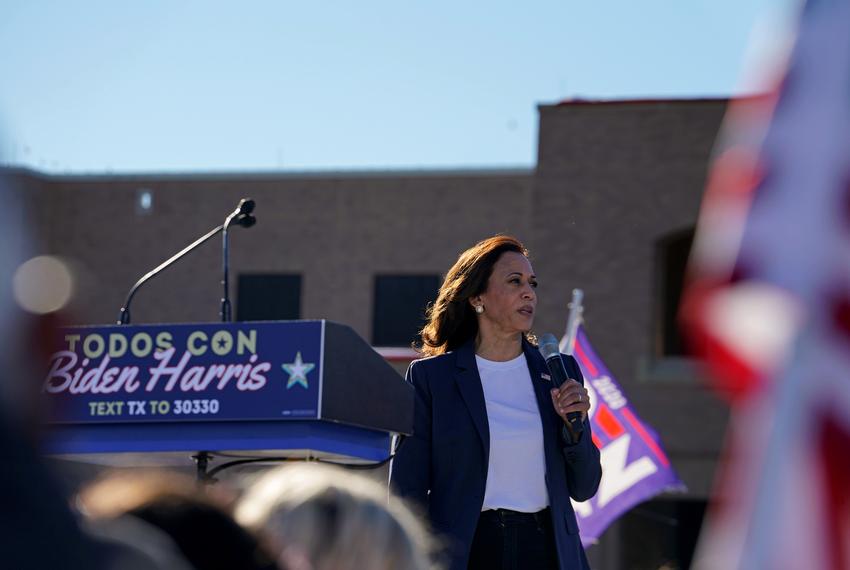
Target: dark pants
column 509, row 540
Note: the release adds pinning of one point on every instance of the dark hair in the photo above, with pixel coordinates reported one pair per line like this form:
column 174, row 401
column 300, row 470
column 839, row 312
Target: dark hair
column 451, row 319
column 199, row 522
column 206, row 534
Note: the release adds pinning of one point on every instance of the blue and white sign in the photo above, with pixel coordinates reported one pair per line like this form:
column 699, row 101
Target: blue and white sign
column 187, row 372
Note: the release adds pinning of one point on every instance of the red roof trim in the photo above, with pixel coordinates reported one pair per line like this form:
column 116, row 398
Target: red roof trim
column 398, row 354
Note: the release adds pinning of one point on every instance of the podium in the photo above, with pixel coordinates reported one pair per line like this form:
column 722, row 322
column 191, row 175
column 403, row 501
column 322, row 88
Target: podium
column 155, row 395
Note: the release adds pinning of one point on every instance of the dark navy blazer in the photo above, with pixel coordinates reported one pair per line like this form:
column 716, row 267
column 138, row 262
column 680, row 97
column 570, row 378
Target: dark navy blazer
column 443, row 465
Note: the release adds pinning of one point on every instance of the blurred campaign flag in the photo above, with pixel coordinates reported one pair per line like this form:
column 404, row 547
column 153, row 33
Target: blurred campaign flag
column 634, row 465
column 769, row 309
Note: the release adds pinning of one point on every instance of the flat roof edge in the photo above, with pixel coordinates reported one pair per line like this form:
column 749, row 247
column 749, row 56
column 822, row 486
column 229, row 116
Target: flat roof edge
column 582, row 102
column 271, row 174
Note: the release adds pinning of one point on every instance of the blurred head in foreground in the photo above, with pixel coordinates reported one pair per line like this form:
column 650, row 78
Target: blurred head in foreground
column 173, row 521
column 38, row 529
column 322, row 518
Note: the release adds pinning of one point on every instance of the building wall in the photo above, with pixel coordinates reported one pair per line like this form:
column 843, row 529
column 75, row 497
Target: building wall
column 336, row 231
column 613, row 180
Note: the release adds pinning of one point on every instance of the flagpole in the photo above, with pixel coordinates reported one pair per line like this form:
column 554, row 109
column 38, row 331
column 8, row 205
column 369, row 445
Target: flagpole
column 573, row 321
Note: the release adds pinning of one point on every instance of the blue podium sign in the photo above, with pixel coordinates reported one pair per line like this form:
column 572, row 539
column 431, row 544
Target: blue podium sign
column 187, row 373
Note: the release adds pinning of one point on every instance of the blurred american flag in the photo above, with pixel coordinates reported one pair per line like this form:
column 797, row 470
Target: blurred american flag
column 768, row 307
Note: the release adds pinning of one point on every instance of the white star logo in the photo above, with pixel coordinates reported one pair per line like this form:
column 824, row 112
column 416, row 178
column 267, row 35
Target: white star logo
column 297, row 371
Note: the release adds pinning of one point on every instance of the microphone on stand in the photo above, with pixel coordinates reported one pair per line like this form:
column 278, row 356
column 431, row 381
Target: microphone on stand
column 244, row 219
column 552, row 355
column 242, row 216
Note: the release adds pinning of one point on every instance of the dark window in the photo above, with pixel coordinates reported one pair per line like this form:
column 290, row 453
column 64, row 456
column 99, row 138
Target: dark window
column 268, row 297
column 399, row 308
column 673, row 257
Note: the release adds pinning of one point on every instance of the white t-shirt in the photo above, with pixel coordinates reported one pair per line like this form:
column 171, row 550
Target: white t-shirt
column 516, row 473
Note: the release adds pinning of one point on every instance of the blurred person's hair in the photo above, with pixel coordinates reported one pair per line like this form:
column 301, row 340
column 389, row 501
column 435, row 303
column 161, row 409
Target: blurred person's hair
column 322, row 518
column 198, row 521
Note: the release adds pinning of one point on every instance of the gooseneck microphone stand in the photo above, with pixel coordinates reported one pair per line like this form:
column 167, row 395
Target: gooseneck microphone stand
column 242, row 218
column 243, row 211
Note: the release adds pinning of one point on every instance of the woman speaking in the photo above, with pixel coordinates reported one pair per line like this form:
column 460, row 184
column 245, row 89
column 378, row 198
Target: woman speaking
column 490, row 458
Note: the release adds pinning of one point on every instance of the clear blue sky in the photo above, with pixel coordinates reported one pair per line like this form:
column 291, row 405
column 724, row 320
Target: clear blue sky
column 188, row 85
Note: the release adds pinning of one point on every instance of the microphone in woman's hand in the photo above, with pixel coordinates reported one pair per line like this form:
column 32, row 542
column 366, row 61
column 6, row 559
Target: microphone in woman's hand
column 552, row 355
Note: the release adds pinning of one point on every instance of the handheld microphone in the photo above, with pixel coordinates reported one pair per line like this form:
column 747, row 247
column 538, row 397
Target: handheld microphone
column 552, row 355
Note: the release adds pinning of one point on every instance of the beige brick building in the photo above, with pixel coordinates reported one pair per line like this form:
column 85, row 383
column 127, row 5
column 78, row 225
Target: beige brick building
column 612, row 200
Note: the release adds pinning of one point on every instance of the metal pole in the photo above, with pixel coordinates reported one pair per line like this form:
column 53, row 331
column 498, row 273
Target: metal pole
column 573, row 321
column 202, row 460
column 225, row 299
